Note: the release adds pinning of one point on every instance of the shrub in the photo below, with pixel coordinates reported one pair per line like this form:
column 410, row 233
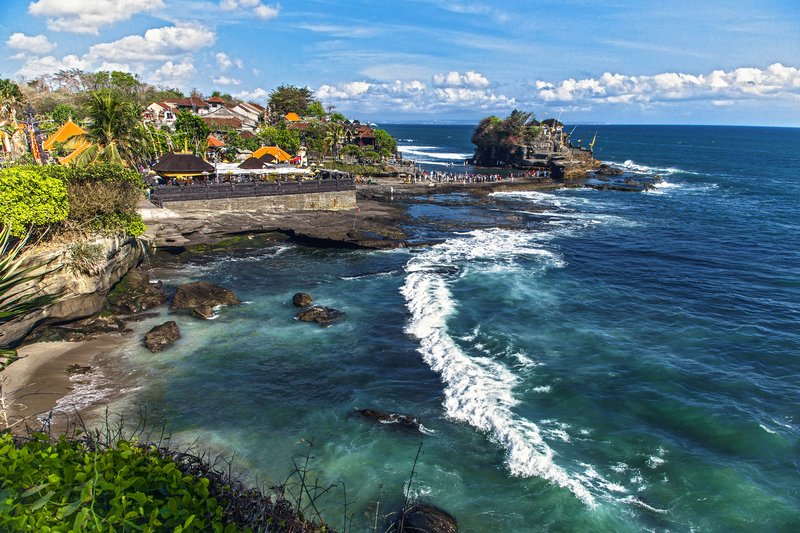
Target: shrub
column 106, row 197
column 31, row 196
column 87, row 258
column 71, row 485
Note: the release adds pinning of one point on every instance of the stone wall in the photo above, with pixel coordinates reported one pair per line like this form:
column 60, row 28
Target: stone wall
column 326, row 201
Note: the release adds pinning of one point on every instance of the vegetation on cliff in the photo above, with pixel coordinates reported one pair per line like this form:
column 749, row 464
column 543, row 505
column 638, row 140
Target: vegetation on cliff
column 96, row 483
column 103, row 198
column 501, row 140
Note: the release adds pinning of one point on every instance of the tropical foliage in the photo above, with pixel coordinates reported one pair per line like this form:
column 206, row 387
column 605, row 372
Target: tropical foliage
column 31, row 196
column 15, row 297
column 497, row 140
column 69, row 486
column 102, row 197
column 115, row 130
column 11, row 98
column 190, row 133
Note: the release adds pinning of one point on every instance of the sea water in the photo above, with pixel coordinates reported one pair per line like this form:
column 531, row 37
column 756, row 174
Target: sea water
column 610, row 361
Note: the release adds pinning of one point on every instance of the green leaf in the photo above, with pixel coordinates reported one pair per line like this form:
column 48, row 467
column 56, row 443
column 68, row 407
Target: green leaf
column 41, row 502
column 68, row 509
column 33, row 490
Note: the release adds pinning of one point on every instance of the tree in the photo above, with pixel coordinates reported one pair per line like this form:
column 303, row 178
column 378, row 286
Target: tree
column 190, row 130
column 115, row 131
column 386, row 143
column 281, row 136
column 11, row 97
column 62, row 112
column 316, row 109
column 288, row 99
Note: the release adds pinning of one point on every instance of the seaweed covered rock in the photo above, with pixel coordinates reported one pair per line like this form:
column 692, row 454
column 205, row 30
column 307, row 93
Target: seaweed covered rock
column 421, row 517
column 324, row 316
column 161, row 337
column 396, row 419
column 302, row 299
column 134, row 294
column 201, row 296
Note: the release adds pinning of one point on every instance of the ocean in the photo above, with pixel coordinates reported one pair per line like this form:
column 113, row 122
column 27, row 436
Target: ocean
column 600, row 361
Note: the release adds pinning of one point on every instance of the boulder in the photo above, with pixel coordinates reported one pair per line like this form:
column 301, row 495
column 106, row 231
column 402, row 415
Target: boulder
column 324, row 316
column 396, row 419
column 607, row 170
column 421, row 517
column 161, row 337
column 302, row 299
column 134, row 293
column 201, row 296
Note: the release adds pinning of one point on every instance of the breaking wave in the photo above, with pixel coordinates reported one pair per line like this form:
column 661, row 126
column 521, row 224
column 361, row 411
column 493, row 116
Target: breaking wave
column 479, row 390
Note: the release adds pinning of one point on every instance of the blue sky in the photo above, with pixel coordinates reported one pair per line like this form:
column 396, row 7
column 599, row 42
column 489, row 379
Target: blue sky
column 615, row 61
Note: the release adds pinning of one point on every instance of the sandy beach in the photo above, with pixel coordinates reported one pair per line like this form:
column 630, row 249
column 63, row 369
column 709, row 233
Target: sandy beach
column 34, row 384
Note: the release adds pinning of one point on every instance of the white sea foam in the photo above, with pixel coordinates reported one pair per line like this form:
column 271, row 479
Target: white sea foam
column 636, row 501
column 632, row 166
column 479, row 390
column 417, row 152
column 765, row 428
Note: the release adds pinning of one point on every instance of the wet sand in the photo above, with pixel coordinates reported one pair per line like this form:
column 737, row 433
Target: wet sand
column 35, row 383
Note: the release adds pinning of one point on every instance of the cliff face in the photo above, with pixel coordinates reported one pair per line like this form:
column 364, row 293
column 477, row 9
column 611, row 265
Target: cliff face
column 79, row 295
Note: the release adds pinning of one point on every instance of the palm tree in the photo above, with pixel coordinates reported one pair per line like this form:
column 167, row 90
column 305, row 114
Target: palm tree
column 115, row 131
column 11, row 98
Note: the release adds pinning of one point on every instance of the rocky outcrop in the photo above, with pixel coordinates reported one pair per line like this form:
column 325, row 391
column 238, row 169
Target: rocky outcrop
column 80, row 330
column 302, row 299
column 395, row 419
column 324, row 316
column 78, row 295
column 608, row 170
column 134, row 294
column 201, row 297
column 421, row 517
column 161, row 337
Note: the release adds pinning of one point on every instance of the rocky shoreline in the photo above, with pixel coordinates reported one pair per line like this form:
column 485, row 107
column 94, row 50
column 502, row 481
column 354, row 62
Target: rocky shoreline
column 104, row 306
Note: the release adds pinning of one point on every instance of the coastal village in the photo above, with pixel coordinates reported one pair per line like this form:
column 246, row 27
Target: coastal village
column 91, row 186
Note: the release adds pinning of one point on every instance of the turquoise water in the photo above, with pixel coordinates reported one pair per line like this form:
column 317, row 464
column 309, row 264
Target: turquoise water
column 613, row 362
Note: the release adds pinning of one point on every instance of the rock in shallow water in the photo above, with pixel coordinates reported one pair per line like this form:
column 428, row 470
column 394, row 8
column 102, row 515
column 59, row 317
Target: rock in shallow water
column 302, row 299
column 397, row 419
column 201, row 296
column 324, row 316
column 423, row 517
column 161, row 337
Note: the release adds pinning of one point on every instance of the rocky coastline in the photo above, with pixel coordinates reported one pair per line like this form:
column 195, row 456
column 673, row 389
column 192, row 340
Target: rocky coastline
column 104, row 304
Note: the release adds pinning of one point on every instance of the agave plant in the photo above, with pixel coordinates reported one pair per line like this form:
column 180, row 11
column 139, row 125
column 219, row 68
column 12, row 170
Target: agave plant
column 16, row 298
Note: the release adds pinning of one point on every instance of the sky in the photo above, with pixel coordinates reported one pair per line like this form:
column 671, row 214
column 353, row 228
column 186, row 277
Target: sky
column 446, row 61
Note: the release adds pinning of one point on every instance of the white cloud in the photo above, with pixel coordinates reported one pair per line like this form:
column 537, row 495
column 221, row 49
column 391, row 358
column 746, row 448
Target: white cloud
column 38, row 66
column 30, row 44
column 456, row 79
column 450, row 91
column 157, row 44
column 82, row 16
column 225, row 80
column 719, row 87
column 223, row 61
column 260, row 10
column 254, row 95
column 174, row 73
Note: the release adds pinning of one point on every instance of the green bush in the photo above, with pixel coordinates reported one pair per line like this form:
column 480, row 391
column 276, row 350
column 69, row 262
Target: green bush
column 31, row 196
column 69, row 486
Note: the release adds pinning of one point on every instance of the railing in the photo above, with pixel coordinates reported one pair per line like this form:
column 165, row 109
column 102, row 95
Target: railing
column 219, row 191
